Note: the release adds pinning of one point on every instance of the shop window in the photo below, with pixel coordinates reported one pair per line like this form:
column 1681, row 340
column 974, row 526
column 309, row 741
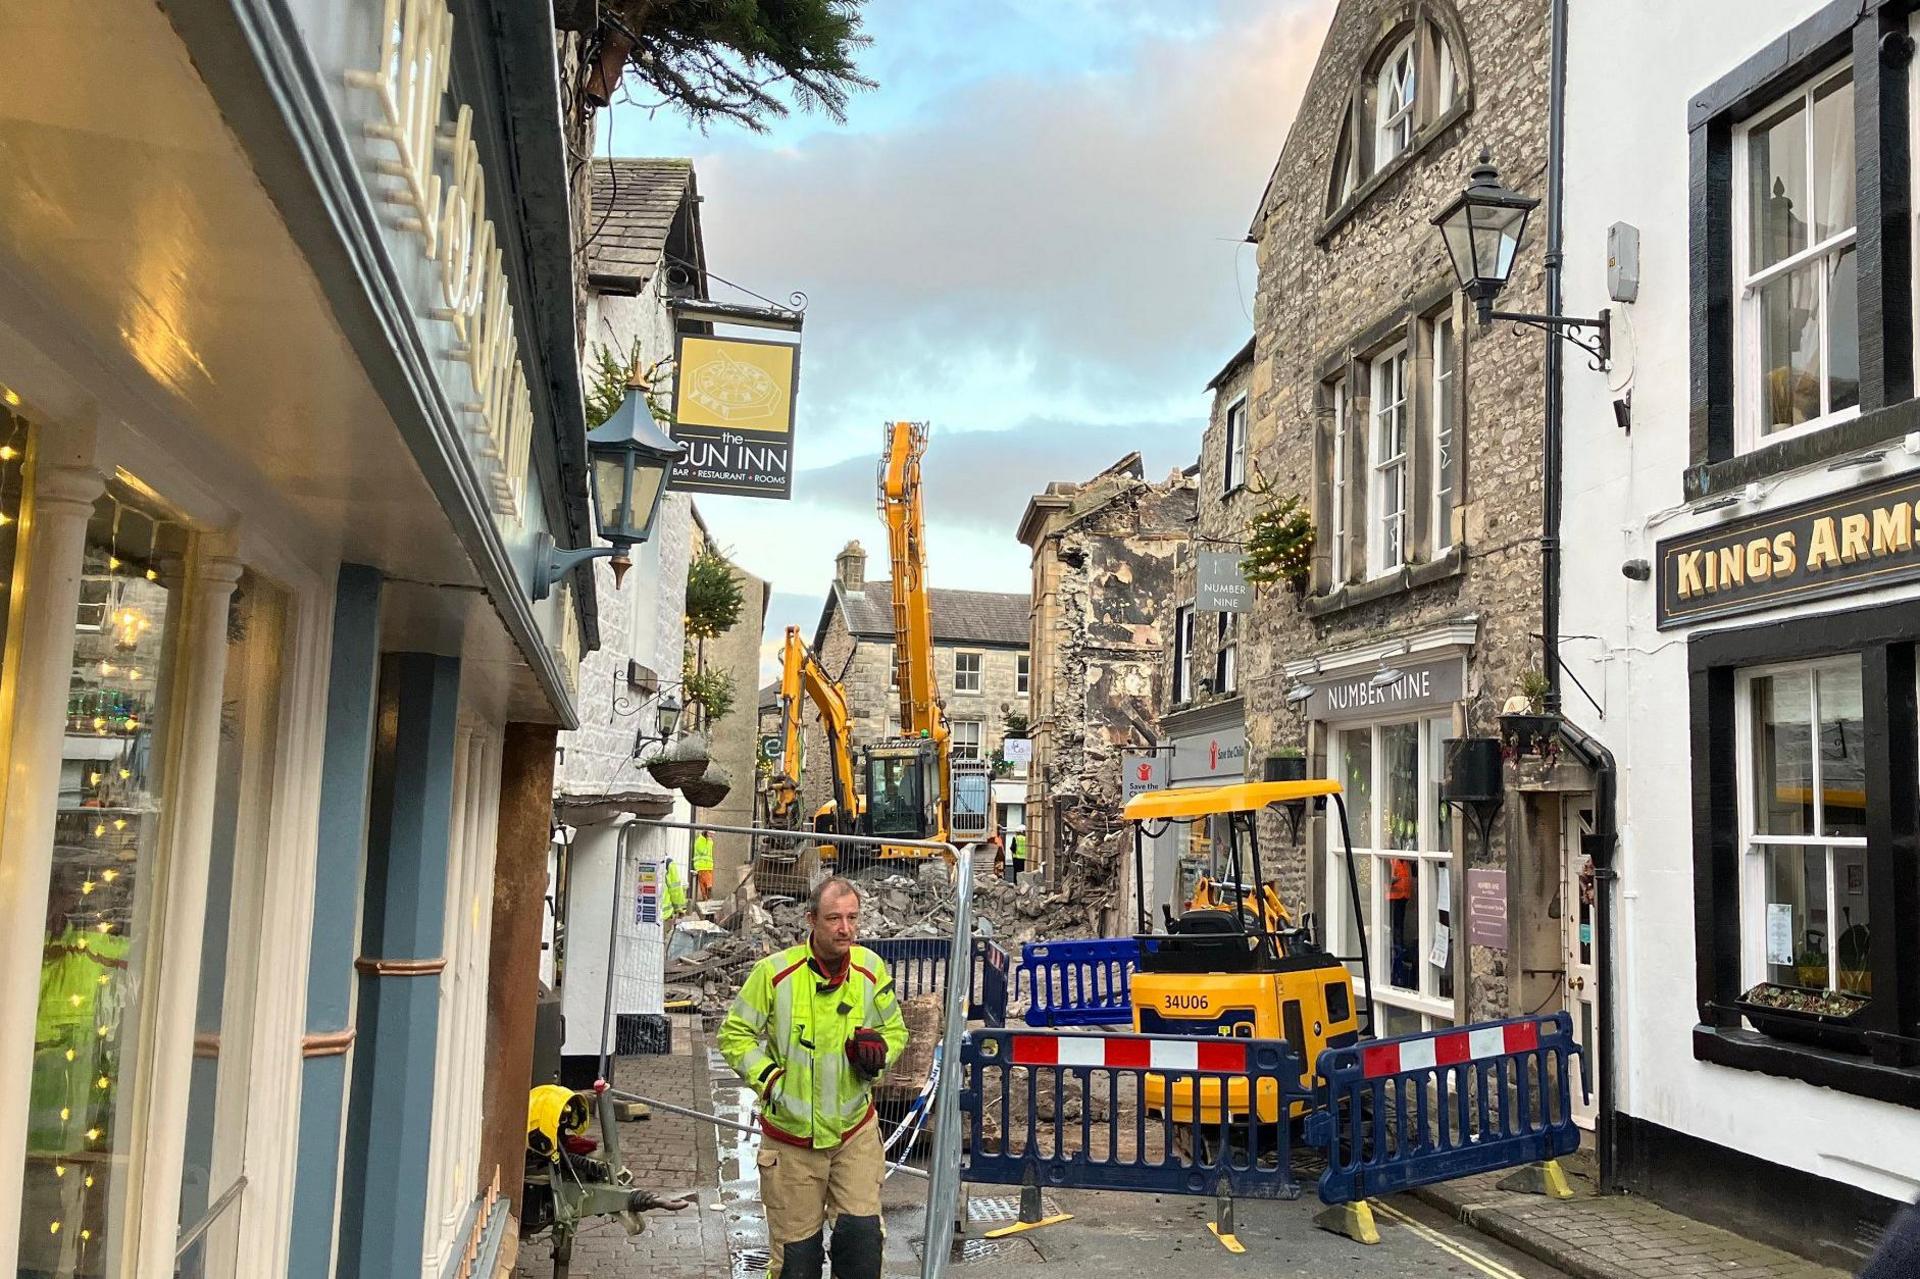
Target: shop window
column 1806, row 920
column 1387, row 497
column 103, row 895
column 1796, row 272
column 966, row 738
column 1402, row 866
column 966, row 672
column 211, row 1189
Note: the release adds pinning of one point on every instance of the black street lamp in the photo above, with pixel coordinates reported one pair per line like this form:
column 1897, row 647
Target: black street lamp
column 629, row 459
column 1482, row 229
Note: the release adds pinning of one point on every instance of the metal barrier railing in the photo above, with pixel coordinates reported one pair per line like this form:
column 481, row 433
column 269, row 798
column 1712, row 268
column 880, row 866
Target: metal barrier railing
column 1082, row 982
column 1398, row 1113
column 919, row 967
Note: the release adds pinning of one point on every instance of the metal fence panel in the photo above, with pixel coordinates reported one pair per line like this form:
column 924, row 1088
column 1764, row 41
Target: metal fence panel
column 1087, row 982
column 987, row 1001
column 1065, row 1110
column 1410, row 1111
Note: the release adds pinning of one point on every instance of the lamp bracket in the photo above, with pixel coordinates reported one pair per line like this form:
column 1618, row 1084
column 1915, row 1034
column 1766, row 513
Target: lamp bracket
column 552, row 562
column 1598, row 345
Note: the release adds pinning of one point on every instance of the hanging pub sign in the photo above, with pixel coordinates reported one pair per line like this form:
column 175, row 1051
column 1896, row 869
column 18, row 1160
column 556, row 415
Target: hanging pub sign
column 1218, row 584
column 1855, row 541
column 733, row 409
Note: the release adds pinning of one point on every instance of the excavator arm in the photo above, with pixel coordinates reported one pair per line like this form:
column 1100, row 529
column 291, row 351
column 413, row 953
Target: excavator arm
column 802, row 675
column 902, row 508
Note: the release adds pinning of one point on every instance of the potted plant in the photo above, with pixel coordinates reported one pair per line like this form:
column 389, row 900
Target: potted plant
column 1808, row 1015
column 1287, row 764
column 1525, row 726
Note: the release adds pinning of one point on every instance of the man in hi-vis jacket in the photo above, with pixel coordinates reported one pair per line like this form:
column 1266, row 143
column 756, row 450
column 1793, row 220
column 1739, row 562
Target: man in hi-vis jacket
column 810, row 1032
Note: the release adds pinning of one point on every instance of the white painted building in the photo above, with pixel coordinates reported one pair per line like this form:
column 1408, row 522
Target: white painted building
column 1758, row 693
column 646, row 250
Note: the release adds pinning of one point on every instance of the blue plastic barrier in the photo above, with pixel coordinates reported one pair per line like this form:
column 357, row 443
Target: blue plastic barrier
column 987, row 1001
column 919, row 967
column 1396, row 1113
column 1010, row 1076
column 1079, row 983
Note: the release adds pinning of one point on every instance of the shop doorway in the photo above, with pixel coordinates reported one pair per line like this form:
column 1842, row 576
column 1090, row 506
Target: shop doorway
column 1582, row 971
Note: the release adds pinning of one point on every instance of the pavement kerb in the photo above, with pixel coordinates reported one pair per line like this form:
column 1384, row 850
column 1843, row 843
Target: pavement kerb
column 1497, row 1225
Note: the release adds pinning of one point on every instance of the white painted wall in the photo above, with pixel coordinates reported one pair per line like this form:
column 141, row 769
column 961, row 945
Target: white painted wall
column 1632, row 66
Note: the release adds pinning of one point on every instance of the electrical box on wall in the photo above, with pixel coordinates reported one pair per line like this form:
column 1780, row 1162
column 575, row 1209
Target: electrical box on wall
column 1623, row 262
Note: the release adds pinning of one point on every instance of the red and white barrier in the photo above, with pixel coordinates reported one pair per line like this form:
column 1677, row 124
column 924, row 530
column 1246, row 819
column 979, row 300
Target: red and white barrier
column 1448, row 1048
column 1130, row 1052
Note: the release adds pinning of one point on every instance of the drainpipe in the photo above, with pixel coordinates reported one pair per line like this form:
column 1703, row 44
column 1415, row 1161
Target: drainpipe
column 1603, row 842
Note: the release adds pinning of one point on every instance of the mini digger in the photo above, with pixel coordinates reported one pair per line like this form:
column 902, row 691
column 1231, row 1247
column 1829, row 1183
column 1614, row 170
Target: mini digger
column 1234, row 962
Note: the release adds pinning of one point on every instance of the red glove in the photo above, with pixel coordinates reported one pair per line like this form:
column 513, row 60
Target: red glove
column 868, row 1052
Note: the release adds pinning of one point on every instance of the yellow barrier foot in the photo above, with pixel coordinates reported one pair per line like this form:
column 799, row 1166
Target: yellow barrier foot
column 1228, row 1240
column 1354, row 1220
column 1020, row 1227
column 629, row 1111
column 1539, row 1179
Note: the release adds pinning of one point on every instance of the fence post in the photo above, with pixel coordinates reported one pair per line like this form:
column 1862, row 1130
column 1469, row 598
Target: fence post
column 1033, row 1209
column 1222, row 1223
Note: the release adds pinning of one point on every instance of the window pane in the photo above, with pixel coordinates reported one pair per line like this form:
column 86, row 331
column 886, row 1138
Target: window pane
column 1796, row 914
column 1833, row 173
column 101, row 899
column 1435, row 883
column 1777, row 186
column 1400, row 774
column 1358, row 785
column 1443, row 431
column 1843, row 331
column 1403, row 922
column 1790, row 348
column 1843, row 774
column 1853, row 967
column 1783, row 754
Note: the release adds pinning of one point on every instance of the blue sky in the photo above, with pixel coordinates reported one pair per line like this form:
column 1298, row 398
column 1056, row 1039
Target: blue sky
column 1031, row 234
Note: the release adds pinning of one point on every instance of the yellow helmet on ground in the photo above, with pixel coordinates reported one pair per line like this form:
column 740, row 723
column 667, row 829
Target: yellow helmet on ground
column 552, row 1113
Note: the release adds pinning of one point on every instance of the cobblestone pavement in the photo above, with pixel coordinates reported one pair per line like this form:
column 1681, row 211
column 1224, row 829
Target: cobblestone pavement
column 1614, row 1236
column 666, row 1153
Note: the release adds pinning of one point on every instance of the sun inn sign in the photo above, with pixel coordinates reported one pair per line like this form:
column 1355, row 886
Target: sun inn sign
column 1855, row 541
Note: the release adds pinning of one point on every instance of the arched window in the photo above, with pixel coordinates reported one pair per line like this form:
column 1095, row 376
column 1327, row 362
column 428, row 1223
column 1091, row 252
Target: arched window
column 1406, row 87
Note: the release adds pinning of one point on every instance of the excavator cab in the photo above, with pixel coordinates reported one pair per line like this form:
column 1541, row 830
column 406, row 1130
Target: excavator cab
column 1233, row 961
column 903, row 789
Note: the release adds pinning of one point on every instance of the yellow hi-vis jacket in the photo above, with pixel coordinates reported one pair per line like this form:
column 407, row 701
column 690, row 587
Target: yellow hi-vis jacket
column 786, row 1036
column 702, row 853
column 674, row 900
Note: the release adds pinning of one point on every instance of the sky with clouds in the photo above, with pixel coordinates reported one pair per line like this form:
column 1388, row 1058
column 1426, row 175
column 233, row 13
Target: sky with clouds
column 1030, row 234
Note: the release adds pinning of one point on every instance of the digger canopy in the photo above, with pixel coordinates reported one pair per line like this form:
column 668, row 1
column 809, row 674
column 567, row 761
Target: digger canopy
column 1204, row 801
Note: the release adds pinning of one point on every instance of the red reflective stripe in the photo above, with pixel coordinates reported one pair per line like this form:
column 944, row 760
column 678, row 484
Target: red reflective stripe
column 1383, row 1060
column 866, row 973
column 1036, row 1050
column 1130, row 1054
column 1451, row 1050
column 1523, row 1036
column 785, row 973
column 1226, row 1058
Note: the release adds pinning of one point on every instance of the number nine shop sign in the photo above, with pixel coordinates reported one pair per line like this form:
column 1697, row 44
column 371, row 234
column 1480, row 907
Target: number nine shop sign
column 1856, row 541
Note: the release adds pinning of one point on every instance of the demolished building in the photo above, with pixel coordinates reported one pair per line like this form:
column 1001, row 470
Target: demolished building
column 1104, row 573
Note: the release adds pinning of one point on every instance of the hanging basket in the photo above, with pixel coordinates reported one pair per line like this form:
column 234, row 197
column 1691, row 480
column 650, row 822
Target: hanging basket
column 709, row 789
column 682, row 762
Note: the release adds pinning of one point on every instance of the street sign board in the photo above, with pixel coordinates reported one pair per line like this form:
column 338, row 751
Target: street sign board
column 1218, row 584
column 1140, row 772
column 733, row 406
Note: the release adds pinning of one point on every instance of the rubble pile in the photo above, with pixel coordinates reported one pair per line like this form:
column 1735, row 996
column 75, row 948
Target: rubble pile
column 898, row 905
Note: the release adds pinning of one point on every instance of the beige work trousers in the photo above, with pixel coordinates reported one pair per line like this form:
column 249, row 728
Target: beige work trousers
column 802, row 1188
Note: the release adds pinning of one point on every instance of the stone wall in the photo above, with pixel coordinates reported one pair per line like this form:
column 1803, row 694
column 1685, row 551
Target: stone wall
column 1106, row 577
column 1329, row 295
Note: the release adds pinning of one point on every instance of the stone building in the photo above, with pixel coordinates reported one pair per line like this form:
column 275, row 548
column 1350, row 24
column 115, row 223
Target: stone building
column 735, row 740
column 1415, row 436
column 1203, row 734
column 980, row 661
column 1104, row 572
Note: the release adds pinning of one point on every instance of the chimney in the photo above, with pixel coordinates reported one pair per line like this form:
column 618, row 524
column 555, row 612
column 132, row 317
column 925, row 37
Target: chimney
column 850, row 567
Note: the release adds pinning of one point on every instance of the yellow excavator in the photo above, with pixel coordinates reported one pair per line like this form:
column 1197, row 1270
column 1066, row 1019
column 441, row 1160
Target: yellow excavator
column 802, row 676
column 916, row 789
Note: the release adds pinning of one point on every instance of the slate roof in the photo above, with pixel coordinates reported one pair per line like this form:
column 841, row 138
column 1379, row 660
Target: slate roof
column 635, row 202
column 770, row 696
column 959, row 617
